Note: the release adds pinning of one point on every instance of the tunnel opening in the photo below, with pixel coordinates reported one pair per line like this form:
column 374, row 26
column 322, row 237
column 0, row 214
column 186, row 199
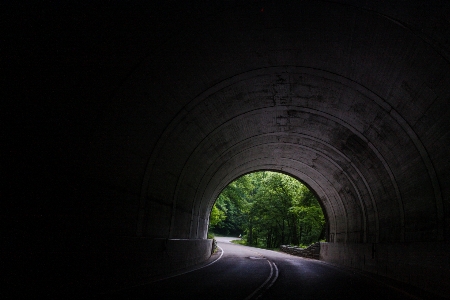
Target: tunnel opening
column 167, row 104
column 267, row 209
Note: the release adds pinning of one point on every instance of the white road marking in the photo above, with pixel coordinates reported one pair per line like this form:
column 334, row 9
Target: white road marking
column 267, row 283
column 275, row 276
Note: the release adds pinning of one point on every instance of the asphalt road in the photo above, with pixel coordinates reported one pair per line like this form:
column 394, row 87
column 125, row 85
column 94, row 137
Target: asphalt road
column 240, row 272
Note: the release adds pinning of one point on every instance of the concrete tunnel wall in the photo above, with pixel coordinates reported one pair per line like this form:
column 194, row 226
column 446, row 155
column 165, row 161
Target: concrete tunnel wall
column 350, row 98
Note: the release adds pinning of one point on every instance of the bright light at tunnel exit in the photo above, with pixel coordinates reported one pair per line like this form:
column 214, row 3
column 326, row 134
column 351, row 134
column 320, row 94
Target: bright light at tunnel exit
column 268, row 209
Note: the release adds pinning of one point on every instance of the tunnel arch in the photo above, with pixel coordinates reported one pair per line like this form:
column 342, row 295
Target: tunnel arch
column 281, row 170
column 352, row 111
column 297, row 170
column 280, row 117
column 130, row 119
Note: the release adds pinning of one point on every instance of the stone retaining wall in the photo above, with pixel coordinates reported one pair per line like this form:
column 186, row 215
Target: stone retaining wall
column 313, row 251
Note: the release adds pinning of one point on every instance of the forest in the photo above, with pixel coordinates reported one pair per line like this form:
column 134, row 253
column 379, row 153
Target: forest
column 268, row 209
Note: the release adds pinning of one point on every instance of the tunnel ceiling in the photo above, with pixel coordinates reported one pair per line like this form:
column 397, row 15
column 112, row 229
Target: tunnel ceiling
column 352, row 100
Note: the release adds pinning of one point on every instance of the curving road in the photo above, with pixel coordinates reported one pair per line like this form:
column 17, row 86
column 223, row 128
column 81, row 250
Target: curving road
column 240, row 272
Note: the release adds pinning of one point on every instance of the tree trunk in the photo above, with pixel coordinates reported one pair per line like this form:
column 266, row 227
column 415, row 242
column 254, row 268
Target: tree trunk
column 294, row 235
column 250, row 235
column 300, row 234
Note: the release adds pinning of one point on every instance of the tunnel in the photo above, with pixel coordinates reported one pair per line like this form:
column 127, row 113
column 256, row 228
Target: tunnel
column 127, row 120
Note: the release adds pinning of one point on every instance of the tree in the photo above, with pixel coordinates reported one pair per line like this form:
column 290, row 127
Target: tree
column 270, row 209
column 217, row 216
column 232, row 201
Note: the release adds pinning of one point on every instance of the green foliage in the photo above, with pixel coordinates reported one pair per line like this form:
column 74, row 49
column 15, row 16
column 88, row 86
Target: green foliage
column 232, row 202
column 270, row 209
column 239, row 242
column 217, row 216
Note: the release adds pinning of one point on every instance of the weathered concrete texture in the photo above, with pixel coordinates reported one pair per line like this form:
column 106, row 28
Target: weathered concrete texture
column 130, row 120
column 359, row 141
column 425, row 265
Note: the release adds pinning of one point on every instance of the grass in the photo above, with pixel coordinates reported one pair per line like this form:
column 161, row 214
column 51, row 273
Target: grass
column 239, row 242
column 212, row 234
column 243, row 242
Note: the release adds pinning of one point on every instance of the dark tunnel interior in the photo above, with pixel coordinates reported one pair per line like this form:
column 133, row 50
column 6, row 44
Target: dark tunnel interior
column 124, row 121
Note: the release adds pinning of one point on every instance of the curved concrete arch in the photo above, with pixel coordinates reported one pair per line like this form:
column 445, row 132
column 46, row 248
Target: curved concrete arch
column 293, row 135
column 246, row 116
column 386, row 165
column 311, row 183
column 208, row 198
column 309, row 179
column 231, row 149
column 326, row 115
column 364, row 216
column 260, row 159
column 134, row 118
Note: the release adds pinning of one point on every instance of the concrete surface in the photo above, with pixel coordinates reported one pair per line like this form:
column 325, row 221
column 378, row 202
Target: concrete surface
column 240, row 272
column 124, row 121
